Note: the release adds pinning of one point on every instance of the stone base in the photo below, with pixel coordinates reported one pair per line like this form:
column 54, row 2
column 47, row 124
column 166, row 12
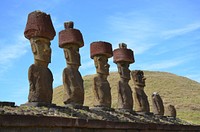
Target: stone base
column 159, row 116
column 77, row 106
column 121, row 110
column 38, row 104
column 144, row 113
column 102, row 108
column 171, row 117
column 4, row 103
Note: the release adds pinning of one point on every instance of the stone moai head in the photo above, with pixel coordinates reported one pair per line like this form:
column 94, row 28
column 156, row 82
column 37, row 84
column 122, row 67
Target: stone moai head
column 40, row 31
column 123, row 57
column 138, row 78
column 100, row 51
column 170, row 111
column 71, row 40
column 157, row 104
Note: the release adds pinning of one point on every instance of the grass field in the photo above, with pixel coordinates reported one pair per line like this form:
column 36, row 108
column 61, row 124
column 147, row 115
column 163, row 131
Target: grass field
column 179, row 91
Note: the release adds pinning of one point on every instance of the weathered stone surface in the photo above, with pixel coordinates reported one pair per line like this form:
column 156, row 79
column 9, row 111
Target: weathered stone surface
column 101, row 48
column 157, row 104
column 39, row 24
column 70, row 36
column 40, row 81
column 170, row 111
column 102, row 91
column 100, row 52
column 141, row 103
column 123, row 57
column 71, row 40
column 39, row 30
column 73, row 86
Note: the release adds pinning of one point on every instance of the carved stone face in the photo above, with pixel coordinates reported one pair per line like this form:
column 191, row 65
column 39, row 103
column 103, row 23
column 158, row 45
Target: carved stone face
column 72, row 54
column 123, row 69
column 41, row 49
column 138, row 78
column 101, row 64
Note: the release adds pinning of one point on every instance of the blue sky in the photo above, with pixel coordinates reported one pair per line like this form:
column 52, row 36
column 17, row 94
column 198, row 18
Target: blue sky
column 164, row 35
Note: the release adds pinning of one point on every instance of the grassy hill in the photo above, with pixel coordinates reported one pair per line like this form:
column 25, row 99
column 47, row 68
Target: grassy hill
column 179, row 91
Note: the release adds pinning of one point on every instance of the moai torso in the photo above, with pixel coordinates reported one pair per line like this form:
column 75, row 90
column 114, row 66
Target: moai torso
column 125, row 98
column 73, row 87
column 123, row 57
column 102, row 92
column 40, row 81
column 141, row 103
column 157, row 104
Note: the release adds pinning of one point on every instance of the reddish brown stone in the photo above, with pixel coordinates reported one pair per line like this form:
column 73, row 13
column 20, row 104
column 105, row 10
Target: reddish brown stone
column 70, row 36
column 101, row 48
column 123, row 54
column 39, row 24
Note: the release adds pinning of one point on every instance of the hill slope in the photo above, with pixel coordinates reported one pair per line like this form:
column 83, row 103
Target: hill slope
column 176, row 90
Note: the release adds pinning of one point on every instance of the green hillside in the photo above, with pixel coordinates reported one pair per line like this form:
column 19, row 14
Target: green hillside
column 179, row 91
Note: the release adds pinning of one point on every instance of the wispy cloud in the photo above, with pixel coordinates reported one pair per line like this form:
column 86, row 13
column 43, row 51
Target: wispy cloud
column 137, row 31
column 8, row 53
column 181, row 31
column 161, row 65
column 195, row 76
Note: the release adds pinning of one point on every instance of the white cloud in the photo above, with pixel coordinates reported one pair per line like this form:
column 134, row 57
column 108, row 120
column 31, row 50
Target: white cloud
column 136, row 31
column 162, row 64
column 195, row 77
column 8, row 53
column 181, row 31
column 87, row 65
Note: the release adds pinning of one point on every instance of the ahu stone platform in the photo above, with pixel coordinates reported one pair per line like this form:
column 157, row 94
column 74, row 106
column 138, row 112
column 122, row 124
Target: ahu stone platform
column 68, row 119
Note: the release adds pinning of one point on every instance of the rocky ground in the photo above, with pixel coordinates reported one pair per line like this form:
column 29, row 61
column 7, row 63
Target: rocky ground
column 88, row 114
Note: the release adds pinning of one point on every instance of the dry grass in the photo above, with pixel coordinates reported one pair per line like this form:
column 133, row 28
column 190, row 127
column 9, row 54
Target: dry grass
column 176, row 90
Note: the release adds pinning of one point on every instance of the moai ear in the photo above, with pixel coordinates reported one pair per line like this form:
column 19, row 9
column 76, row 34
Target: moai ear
column 96, row 61
column 119, row 68
column 33, row 47
column 66, row 54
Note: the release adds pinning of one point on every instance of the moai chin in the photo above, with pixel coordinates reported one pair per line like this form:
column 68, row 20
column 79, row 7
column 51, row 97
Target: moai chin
column 71, row 40
column 170, row 111
column 141, row 104
column 123, row 57
column 157, row 104
column 100, row 51
column 40, row 31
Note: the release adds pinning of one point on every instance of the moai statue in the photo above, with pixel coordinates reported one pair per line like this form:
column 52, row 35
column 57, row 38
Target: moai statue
column 157, row 104
column 170, row 111
column 141, row 104
column 40, row 31
column 71, row 40
column 100, row 52
column 123, row 57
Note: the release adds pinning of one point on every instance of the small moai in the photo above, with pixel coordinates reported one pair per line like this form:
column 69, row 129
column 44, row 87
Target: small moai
column 40, row 31
column 123, row 57
column 71, row 40
column 170, row 111
column 100, row 51
column 141, row 104
column 157, row 104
